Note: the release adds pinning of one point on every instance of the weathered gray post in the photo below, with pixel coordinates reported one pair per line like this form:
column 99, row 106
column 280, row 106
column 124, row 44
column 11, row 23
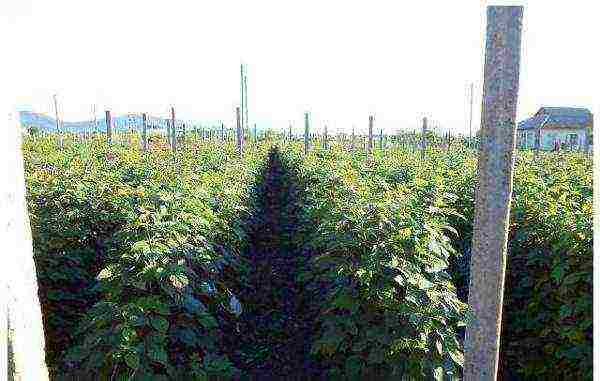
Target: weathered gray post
column 144, row 134
column 306, row 132
column 21, row 326
column 168, row 128
column 290, row 132
column 352, row 139
column 247, row 124
column 173, row 130
column 222, row 131
column 108, row 126
column 537, row 141
column 494, row 190
column 423, row 139
column 381, row 139
column 238, row 131
column 325, row 138
column 586, row 138
column 471, row 118
column 58, row 131
column 255, row 135
column 370, row 141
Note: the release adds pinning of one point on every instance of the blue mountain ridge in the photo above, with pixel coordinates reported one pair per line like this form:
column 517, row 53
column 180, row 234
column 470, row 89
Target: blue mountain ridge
column 125, row 122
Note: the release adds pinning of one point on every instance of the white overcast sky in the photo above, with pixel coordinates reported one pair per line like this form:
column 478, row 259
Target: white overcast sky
column 339, row 60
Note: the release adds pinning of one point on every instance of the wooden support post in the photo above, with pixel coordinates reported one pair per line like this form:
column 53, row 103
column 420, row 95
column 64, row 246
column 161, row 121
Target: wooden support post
column 471, row 118
column 108, row 126
column 306, row 133
column 352, row 140
column 242, row 94
column 381, row 139
column 144, row 133
column 247, row 124
column 370, row 141
column 168, row 128
column 222, row 131
column 290, row 132
column 494, row 190
column 255, row 135
column 325, row 138
column 537, row 141
column 586, row 136
column 423, row 138
column 173, row 130
column 239, row 131
column 21, row 324
column 58, row 129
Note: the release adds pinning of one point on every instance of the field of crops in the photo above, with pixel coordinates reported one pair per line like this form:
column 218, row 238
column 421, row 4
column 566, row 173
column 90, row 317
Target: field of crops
column 201, row 265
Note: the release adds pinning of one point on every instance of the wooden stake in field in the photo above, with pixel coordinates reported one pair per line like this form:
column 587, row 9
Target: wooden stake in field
column 381, row 139
column 325, row 137
column 222, row 131
column 58, row 131
column 471, row 118
column 370, row 141
column 494, row 190
column 423, row 138
column 242, row 93
column 537, row 141
column 247, row 124
column 306, row 133
column 173, row 131
column 108, row 126
column 239, row 131
column 144, row 133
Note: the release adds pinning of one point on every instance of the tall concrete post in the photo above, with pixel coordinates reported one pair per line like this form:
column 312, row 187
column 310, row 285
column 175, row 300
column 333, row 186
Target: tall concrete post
column 494, row 190
column 424, row 138
column 173, row 130
column 239, row 132
column 306, row 132
column 21, row 326
column 370, row 141
column 108, row 126
column 144, row 133
column 58, row 130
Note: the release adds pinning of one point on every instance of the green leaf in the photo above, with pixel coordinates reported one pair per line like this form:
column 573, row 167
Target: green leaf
column 132, row 359
column 160, row 323
column 140, row 247
column 208, row 321
column 457, row 356
column 106, row 272
column 353, row 366
column 344, row 300
column 158, row 354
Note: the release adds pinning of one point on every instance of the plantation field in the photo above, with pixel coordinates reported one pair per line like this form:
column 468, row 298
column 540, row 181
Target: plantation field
column 201, row 265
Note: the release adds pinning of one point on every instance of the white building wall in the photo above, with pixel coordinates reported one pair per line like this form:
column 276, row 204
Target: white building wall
column 562, row 135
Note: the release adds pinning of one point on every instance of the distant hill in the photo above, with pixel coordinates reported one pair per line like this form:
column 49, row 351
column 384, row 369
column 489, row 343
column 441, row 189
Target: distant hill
column 126, row 122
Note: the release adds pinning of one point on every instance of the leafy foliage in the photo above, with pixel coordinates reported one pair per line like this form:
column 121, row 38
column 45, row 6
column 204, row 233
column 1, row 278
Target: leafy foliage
column 201, row 265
